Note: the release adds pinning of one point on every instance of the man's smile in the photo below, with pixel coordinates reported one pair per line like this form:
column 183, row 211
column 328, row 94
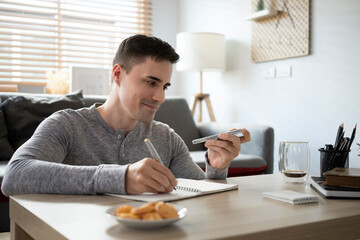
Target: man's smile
column 151, row 105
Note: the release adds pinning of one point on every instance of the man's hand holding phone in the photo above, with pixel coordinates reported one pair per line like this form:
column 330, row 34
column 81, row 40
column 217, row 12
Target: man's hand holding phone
column 223, row 149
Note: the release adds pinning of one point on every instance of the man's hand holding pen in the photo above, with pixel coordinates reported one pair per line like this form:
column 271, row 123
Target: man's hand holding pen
column 152, row 176
column 148, row 175
column 224, row 149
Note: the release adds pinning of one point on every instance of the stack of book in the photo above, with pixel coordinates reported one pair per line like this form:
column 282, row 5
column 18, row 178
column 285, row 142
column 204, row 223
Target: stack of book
column 338, row 183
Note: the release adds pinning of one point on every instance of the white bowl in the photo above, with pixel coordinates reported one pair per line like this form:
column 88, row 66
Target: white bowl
column 146, row 224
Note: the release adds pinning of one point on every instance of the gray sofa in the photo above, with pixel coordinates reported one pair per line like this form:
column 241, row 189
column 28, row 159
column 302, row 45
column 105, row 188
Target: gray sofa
column 21, row 113
column 255, row 157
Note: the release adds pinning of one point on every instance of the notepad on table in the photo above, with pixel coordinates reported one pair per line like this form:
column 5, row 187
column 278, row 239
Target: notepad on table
column 186, row 188
column 291, row 197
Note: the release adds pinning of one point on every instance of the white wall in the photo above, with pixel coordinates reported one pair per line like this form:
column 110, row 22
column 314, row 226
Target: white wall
column 323, row 92
column 165, row 26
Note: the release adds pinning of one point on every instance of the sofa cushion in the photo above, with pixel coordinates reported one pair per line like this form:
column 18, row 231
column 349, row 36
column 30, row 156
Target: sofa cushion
column 180, row 120
column 6, row 150
column 3, row 165
column 243, row 164
column 90, row 100
column 24, row 114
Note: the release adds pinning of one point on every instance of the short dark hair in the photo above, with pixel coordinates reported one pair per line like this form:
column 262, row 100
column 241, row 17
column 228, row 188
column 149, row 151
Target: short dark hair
column 135, row 49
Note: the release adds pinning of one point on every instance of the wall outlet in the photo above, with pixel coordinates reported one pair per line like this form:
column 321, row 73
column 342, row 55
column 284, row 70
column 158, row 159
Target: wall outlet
column 283, row 71
column 270, row 73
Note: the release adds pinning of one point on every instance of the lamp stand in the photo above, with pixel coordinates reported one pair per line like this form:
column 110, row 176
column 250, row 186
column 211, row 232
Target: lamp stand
column 198, row 98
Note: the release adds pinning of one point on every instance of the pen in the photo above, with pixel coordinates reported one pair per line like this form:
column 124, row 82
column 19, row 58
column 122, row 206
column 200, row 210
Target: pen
column 339, row 134
column 333, row 156
column 154, row 153
column 352, row 136
column 343, row 144
column 329, row 147
column 345, row 148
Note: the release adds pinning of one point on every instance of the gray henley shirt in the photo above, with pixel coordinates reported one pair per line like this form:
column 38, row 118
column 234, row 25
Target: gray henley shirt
column 76, row 152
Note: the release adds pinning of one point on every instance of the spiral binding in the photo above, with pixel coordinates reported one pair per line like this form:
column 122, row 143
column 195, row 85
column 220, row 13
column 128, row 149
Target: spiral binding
column 304, row 200
column 188, row 189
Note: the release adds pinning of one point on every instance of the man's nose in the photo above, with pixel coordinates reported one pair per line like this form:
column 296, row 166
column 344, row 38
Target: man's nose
column 159, row 95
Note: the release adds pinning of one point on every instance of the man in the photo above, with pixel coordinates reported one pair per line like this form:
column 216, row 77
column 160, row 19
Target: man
column 101, row 149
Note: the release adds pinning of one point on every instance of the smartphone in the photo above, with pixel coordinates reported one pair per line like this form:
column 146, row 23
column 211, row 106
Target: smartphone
column 216, row 136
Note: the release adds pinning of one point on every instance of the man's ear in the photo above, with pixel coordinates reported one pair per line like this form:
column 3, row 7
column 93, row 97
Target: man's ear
column 117, row 72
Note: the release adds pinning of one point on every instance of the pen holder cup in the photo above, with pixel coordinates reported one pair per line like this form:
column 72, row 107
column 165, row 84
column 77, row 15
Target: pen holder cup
column 330, row 159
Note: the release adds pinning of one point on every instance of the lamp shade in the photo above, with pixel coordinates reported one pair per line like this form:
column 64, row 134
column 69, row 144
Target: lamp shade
column 200, row 51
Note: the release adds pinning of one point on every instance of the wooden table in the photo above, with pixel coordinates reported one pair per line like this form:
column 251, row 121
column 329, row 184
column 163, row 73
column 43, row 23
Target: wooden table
column 229, row 215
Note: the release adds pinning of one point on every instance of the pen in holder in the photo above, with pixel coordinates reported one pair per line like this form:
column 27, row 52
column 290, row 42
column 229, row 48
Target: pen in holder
column 331, row 158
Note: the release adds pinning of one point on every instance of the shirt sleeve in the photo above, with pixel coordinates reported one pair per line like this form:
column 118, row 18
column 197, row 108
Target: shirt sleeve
column 214, row 173
column 37, row 166
column 183, row 166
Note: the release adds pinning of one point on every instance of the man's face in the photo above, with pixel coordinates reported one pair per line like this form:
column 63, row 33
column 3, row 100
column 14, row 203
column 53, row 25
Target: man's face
column 142, row 91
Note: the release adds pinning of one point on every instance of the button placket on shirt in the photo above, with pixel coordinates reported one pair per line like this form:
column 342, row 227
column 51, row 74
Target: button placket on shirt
column 122, row 147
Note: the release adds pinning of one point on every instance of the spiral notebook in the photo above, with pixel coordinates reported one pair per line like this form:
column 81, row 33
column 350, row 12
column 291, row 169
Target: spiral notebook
column 291, row 197
column 186, row 188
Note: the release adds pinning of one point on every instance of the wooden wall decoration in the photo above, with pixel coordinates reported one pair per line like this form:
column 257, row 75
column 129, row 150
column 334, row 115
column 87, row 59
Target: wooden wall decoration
column 282, row 35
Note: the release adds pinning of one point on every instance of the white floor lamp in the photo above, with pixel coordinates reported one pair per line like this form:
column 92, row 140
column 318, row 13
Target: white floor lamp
column 201, row 52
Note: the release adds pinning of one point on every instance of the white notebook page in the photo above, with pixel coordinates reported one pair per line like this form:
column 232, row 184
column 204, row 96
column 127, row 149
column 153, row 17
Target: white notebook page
column 191, row 188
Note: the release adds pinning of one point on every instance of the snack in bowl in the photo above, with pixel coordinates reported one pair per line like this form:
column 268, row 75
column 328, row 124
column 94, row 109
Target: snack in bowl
column 151, row 216
column 148, row 207
column 124, row 209
column 166, row 210
column 134, row 215
column 148, row 211
column 128, row 215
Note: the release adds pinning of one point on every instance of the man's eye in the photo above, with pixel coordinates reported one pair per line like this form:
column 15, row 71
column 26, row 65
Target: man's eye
column 151, row 83
column 165, row 88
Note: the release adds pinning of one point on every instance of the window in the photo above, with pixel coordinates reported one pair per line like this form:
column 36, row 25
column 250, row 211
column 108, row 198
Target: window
column 41, row 35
